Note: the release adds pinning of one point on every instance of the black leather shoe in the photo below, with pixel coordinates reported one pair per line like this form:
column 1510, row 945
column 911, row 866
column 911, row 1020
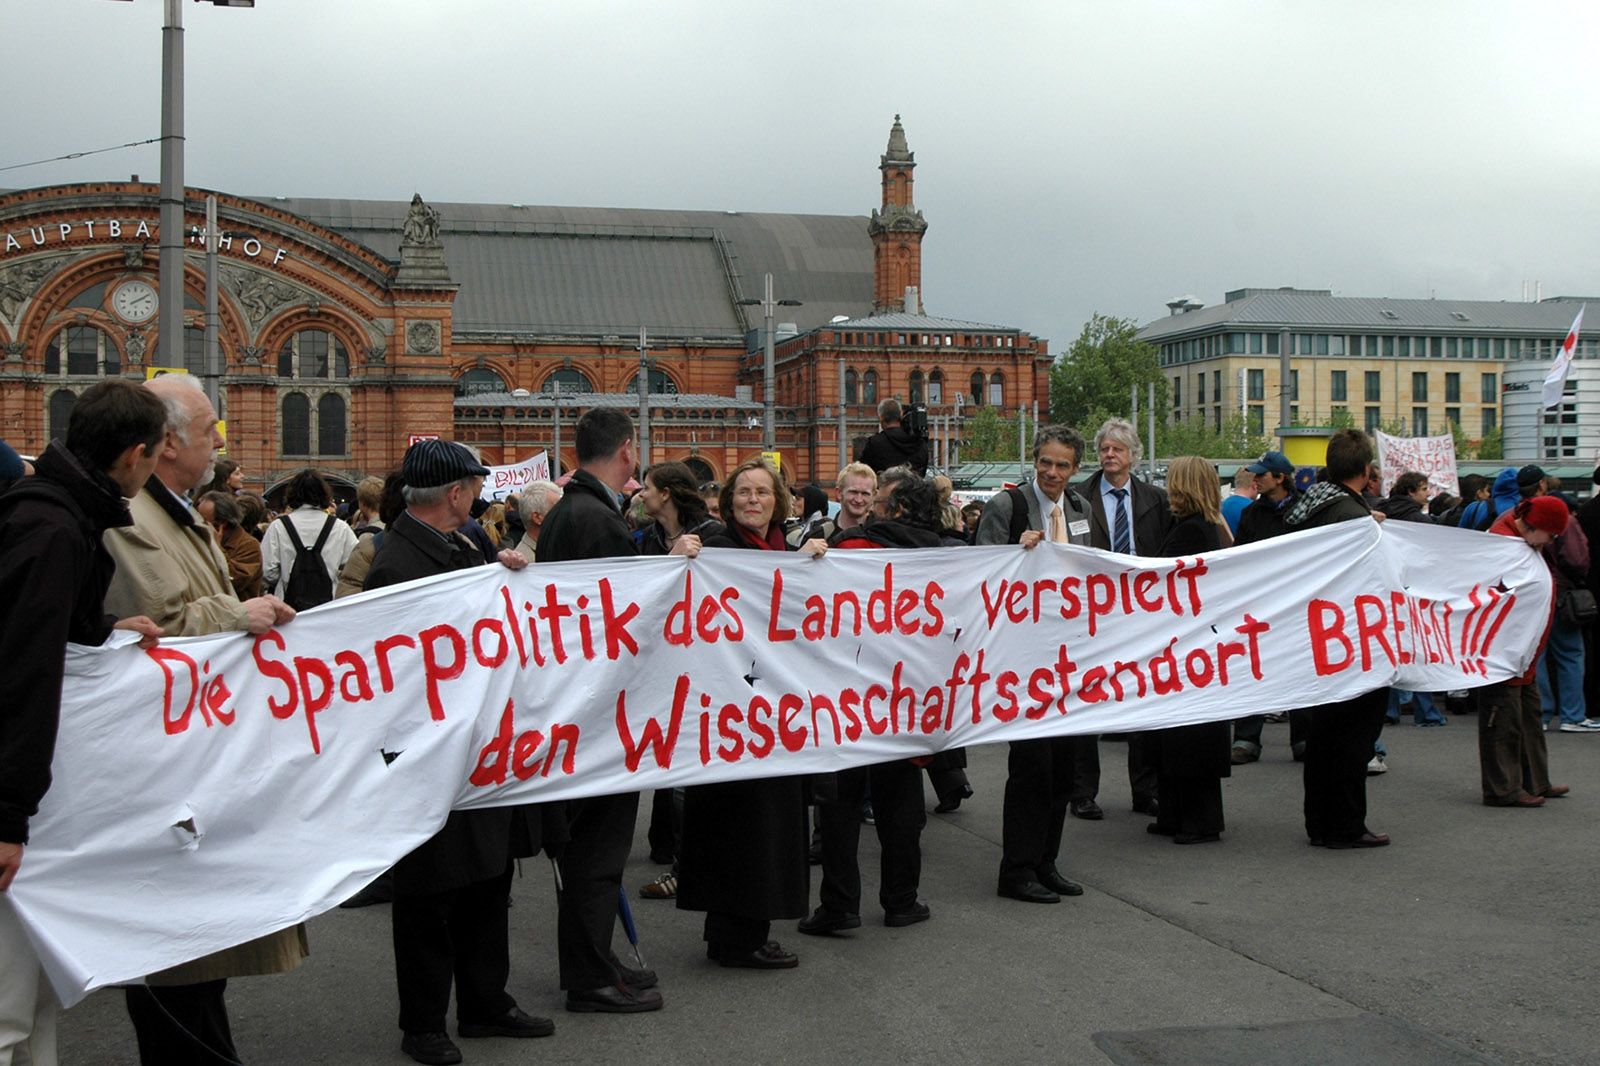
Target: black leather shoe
column 1027, row 892
column 1088, row 810
column 917, row 912
column 432, row 1049
column 945, row 806
column 1051, row 878
column 1365, row 840
column 513, row 1022
column 1146, row 806
column 1196, row 838
column 613, row 999
column 638, row 980
column 823, row 922
column 769, row 956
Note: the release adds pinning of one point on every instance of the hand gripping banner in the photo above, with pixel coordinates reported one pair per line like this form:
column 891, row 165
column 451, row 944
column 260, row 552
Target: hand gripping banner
column 215, row 789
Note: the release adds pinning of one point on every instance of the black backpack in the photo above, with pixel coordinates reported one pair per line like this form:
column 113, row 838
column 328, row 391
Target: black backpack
column 309, row 584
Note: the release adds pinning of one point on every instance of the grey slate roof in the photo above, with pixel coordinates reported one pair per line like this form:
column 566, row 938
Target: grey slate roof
column 1270, row 310
column 586, row 271
column 910, row 322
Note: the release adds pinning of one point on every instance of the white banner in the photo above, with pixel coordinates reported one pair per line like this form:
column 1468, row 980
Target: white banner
column 502, row 481
column 1434, row 456
column 218, row 788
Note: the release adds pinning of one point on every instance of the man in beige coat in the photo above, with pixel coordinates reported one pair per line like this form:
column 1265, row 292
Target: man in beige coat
column 170, row 567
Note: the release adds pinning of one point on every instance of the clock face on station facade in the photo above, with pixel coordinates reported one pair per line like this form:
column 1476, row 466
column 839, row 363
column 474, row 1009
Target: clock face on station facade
column 135, row 301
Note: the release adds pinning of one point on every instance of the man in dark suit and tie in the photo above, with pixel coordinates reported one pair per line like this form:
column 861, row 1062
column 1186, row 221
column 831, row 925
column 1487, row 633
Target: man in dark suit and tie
column 1039, row 771
column 1128, row 516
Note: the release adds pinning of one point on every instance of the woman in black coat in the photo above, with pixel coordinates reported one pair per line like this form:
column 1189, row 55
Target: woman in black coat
column 742, row 857
column 1191, row 760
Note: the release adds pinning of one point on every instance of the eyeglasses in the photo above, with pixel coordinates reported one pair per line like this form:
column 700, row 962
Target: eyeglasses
column 756, row 494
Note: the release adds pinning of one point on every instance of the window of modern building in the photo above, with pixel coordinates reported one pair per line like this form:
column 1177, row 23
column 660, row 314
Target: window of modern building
column 1499, row 347
column 89, row 351
column 1294, row 413
column 1216, row 416
column 61, row 402
column 478, row 381
column 313, row 353
column 997, row 389
column 1294, row 385
column 976, row 385
column 1452, row 416
column 1452, row 348
column 1402, row 347
column 1419, row 387
column 1388, row 347
column 1374, row 419
column 1337, row 387
column 1490, row 421
column 914, row 386
column 851, row 387
column 1452, row 387
column 1419, row 421
column 1216, row 386
column 1255, row 344
column 1336, row 344
column 1200, row 388
column 1177, row 392
column 567, row 381
column 1355, row 346
column 1374, row 380
column 935, row 387
column 1322, row 344
column 1255, row 383
column 1236, row 344
column 295, row 436
column 1258, row 419
column 869, row 388
column 1272, row 344
column 1491, row 388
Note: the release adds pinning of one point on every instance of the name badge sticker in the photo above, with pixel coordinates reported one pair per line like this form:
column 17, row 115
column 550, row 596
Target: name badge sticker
column 1079, row 527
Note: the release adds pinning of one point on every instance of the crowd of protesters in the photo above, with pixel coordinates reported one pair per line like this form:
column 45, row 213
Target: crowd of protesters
column 131, row 522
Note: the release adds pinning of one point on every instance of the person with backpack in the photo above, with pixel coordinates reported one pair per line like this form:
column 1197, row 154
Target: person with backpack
column 303, row 551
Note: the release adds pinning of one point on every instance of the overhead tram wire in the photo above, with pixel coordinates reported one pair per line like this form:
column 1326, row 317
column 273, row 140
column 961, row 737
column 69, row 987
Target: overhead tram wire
column 80, row 155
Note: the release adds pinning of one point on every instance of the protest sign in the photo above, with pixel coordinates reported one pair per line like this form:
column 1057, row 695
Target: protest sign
column 1434, row 456
column 214, row 789
column 502, row 481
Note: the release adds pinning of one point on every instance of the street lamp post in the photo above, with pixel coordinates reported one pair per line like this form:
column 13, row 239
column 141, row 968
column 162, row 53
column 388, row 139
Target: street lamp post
column 769, row 308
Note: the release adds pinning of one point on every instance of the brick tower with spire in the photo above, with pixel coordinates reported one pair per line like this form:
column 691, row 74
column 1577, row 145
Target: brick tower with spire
column 896, row 233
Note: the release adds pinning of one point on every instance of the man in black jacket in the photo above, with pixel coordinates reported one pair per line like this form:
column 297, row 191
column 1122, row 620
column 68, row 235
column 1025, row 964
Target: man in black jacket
column 588, row 524
column 53, row 579
column 894, row 445
column 451, row 893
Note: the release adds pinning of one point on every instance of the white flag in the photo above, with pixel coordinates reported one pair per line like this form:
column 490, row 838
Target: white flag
column 1557, row 379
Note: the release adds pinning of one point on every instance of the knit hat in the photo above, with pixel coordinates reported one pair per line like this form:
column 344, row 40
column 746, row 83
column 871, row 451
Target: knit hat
column 430, row 463
column 1529, row 477
column 1544, row 512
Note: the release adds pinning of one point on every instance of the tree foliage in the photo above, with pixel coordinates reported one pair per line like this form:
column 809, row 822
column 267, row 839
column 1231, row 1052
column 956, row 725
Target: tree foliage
column 1491, row 446
column 1197, row 436
column 1096, row 378
column 987, row 437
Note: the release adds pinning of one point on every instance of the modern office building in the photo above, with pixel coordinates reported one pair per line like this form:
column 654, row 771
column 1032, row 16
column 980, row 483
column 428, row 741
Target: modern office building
column 1414, row 364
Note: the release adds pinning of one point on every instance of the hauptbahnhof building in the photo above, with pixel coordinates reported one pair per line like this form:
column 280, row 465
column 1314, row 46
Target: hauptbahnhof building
column 349, row 326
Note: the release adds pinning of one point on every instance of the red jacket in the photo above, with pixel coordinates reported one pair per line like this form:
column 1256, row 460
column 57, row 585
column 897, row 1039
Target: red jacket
column 1506, row 527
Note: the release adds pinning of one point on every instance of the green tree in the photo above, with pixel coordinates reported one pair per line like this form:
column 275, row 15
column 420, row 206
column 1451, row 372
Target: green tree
column 1196, row 436
column 987, row 437
column 1096, row 378
column 1463, row 443
column 1491, row 446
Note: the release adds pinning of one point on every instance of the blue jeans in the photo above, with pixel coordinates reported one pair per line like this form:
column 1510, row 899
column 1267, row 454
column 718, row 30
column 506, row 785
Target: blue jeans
column 1423, row 709
column 1561, row 673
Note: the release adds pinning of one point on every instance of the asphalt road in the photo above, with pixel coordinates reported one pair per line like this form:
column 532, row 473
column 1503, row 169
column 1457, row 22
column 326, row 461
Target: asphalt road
column 1471, row 939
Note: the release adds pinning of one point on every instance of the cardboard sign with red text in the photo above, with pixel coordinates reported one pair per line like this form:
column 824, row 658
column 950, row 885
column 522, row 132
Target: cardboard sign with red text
column 214, row 789
column 1434, row 456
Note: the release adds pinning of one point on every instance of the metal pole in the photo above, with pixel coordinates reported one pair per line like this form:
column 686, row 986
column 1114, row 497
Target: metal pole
column 555, row 460
column 1022, row 443
column 953, row 450
column 169, row 330
column 1150, row 415
column 213, row 360
column 644, row 402
column 769, row 372
column 844, row 429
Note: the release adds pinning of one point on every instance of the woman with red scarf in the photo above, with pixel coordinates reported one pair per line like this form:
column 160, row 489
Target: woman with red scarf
column 742, row 857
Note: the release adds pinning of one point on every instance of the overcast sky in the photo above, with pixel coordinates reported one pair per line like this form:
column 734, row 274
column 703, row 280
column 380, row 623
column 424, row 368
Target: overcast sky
column 1073, row 156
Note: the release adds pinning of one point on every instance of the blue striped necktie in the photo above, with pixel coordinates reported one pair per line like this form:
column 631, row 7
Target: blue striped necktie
column 1122, row 540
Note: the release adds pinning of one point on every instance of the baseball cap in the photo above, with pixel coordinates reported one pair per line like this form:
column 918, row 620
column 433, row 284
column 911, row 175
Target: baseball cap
column 430, row 463
column 1272, row 463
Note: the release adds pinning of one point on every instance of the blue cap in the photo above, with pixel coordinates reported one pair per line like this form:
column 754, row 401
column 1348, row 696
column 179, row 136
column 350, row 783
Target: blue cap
column 1272, row 463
